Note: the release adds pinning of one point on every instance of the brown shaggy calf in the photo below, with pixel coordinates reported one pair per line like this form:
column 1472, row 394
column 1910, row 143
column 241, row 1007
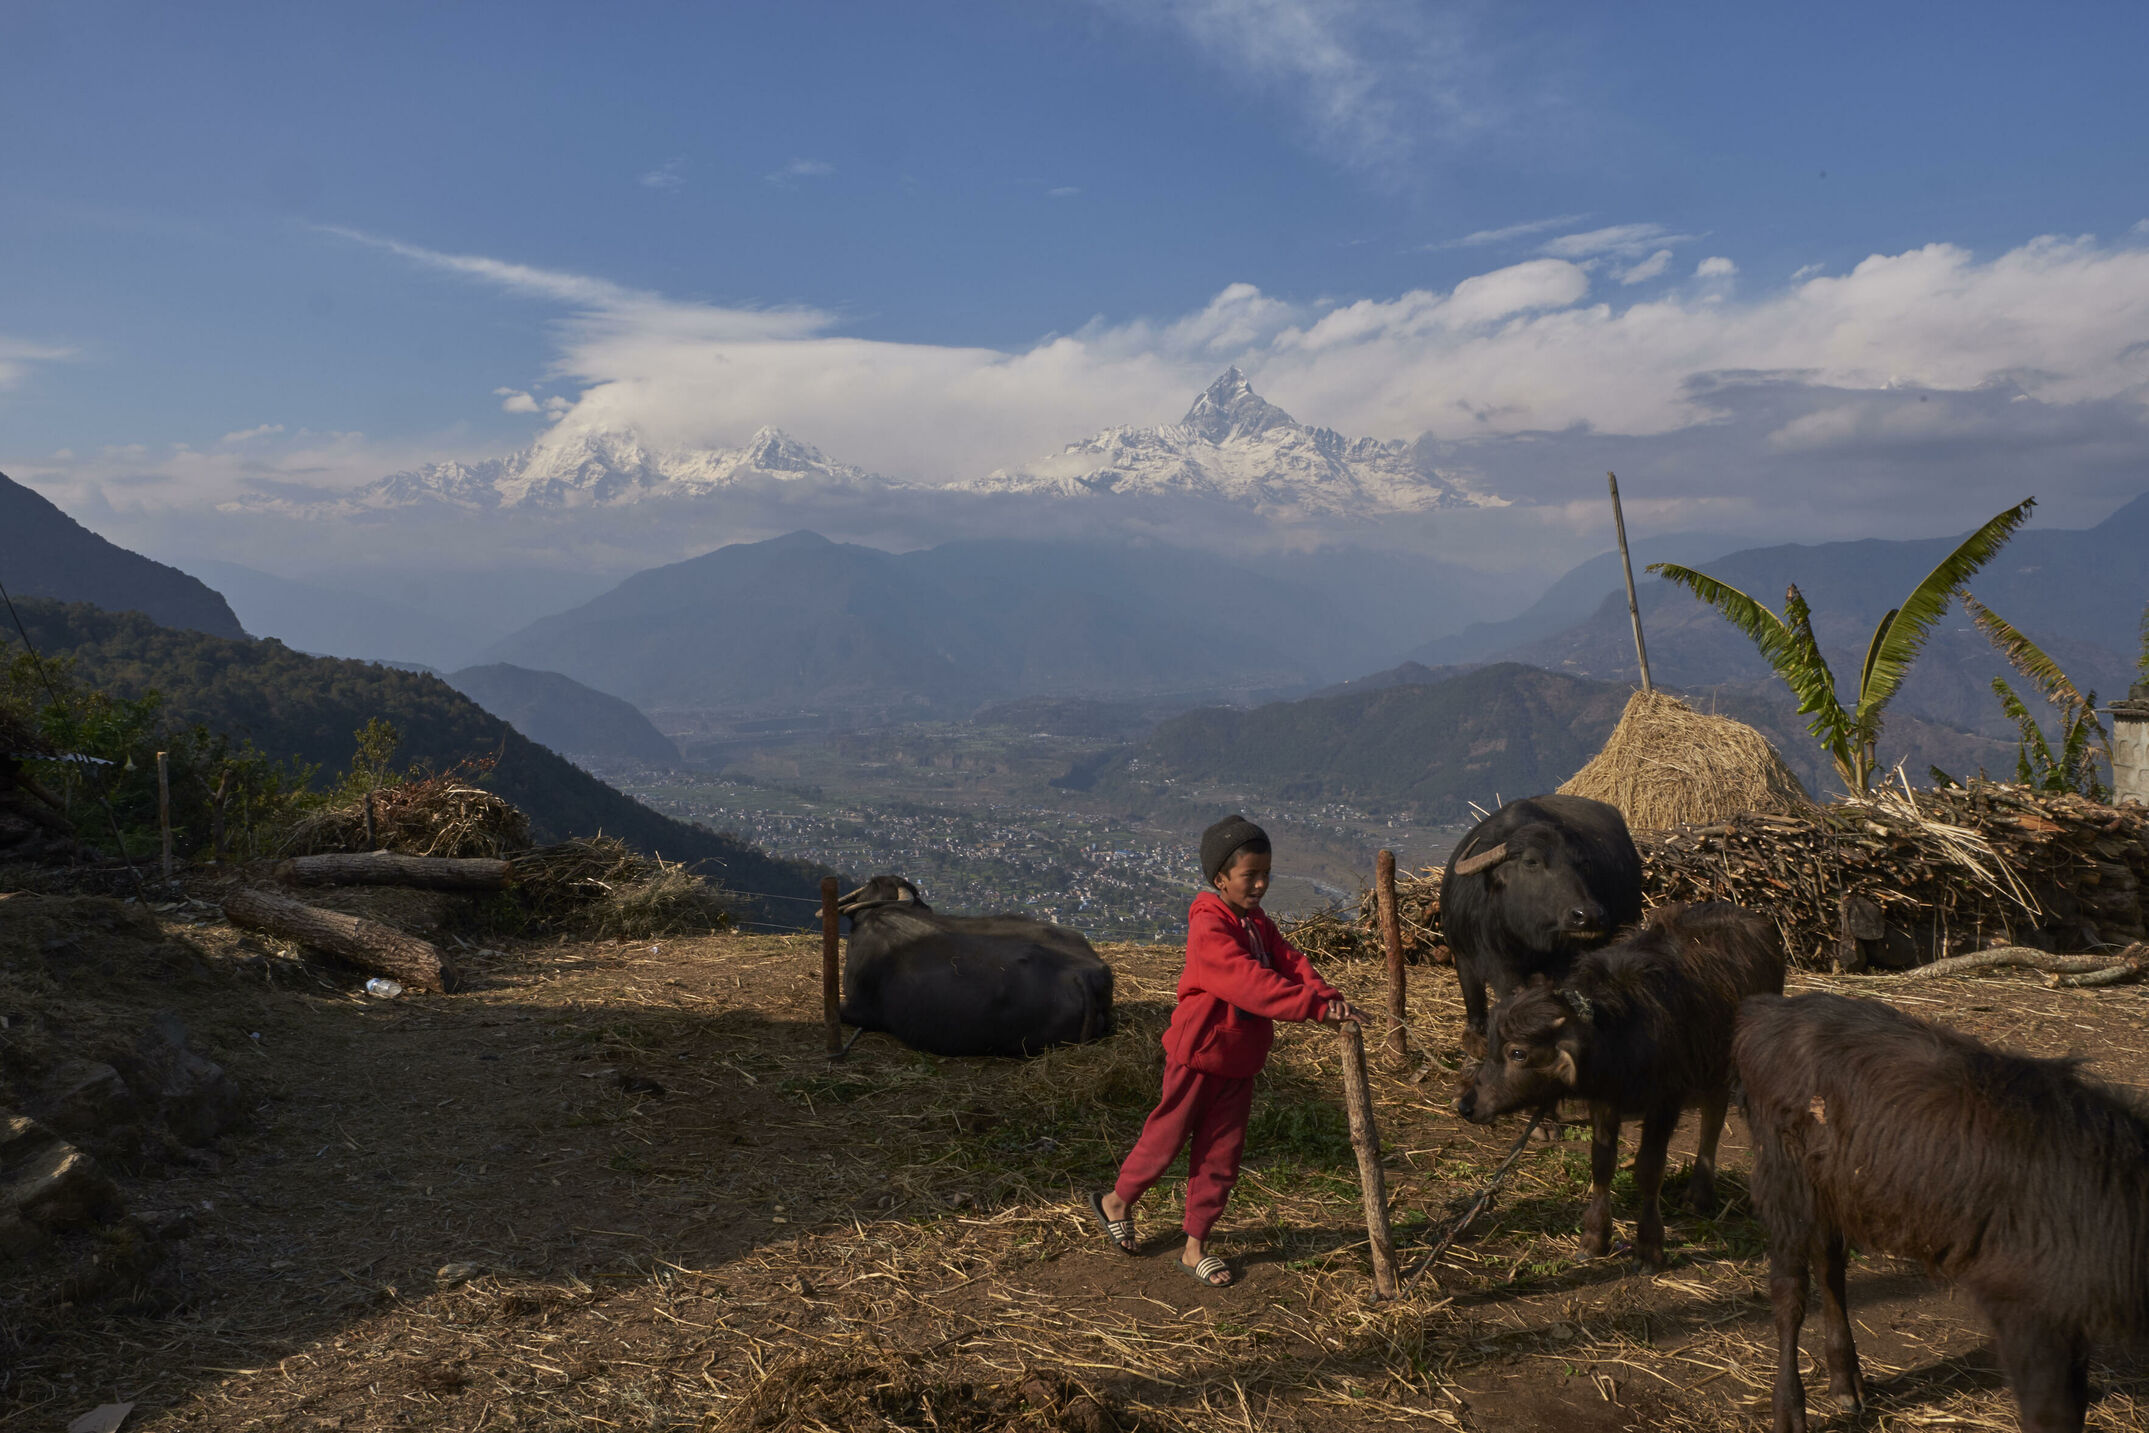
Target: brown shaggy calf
column 1639, row 1028
column 2014, row 1178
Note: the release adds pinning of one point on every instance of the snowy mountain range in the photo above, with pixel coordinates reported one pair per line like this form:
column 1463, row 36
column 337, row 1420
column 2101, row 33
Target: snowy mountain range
column 1232, row 446
column 1236, row 446
column 583, row 467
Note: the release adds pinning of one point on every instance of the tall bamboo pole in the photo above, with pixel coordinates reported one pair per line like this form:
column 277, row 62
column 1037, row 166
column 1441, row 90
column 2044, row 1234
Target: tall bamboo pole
column 1395, row 1041
column 831, row 990
column 1634, row 609
column 164, row 809
column 1365, row 1142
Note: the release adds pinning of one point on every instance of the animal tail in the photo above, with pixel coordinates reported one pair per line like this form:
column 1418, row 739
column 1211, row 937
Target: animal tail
column 1089, row 1011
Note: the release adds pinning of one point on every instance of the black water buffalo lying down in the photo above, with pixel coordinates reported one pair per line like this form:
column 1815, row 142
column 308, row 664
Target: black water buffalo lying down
column 1639, row 1028
column 2014, row 1178
column 1532, row 886
column 968, row 985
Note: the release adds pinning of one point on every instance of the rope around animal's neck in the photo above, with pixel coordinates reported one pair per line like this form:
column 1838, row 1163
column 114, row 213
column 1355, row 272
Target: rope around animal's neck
column 1484, row 1196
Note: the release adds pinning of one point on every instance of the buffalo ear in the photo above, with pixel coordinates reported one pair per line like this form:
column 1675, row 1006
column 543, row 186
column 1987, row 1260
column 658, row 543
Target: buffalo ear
column 1564, row 1070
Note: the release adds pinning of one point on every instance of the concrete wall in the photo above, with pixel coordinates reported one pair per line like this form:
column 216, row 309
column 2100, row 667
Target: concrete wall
column 2130, row 752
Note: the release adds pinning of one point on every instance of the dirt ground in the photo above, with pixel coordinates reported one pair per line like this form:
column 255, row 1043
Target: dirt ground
column 620, row 1186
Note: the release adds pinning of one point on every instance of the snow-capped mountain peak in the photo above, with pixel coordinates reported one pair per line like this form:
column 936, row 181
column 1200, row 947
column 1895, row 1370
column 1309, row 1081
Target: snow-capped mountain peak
column 588, row 467
column 1235, row 446
column 1229, row 408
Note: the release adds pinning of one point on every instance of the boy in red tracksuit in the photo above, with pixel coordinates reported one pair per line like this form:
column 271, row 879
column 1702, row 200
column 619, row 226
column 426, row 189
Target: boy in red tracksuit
column 1241, row 975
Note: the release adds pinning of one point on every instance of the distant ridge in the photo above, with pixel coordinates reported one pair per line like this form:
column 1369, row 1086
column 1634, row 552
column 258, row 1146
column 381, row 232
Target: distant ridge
column 563, row 714
column 46, row 553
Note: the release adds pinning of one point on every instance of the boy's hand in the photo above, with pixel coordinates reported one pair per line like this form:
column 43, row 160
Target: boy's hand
column 1340, row 1010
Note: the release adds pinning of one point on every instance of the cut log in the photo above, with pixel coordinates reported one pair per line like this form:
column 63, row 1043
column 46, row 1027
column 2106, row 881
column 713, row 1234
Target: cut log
column 387, row 868
column 1365, row 1141
column 369, row 945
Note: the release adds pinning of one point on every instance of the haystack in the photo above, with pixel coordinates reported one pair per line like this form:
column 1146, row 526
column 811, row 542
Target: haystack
column 1667, row 765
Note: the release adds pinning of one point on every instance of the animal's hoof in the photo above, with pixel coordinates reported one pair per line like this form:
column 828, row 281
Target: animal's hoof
column 1701, row 1198
column 1596, row 1246
column 1650, row 1257
column 1848, row 1402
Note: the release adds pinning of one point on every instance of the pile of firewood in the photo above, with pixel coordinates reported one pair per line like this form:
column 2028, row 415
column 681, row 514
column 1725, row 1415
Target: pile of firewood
column 1906, row 877
column 1893, row 880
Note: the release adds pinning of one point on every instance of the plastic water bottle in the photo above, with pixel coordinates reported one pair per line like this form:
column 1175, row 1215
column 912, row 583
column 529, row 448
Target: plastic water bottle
column 385, row 988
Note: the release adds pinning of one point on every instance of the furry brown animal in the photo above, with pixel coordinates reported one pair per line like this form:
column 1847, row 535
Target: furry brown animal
column 2014, row 1178
column 1640, row 1028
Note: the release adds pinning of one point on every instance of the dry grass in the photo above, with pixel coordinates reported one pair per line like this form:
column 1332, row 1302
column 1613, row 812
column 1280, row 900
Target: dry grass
column 659, row 1207
column 600, row 886
column 1667, row 765
column 436, row 816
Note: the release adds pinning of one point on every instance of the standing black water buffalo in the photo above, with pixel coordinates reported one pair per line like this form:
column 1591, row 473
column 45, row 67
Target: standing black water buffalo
column 1532, row 886
column 968, row 985
column 2016, row 1179
column 1642, row 1028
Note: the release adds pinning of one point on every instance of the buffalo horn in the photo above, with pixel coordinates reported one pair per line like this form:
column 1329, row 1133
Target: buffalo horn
column 1471, row 865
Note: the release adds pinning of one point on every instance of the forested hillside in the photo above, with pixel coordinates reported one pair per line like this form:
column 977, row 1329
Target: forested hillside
column 307, row 708
column 45, row 553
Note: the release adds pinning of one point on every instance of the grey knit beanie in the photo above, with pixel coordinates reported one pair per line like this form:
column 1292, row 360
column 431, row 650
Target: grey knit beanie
column 1223, row 841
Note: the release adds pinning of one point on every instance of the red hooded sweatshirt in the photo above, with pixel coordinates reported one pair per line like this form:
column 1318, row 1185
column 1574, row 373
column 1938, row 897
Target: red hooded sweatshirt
column 1229, row 996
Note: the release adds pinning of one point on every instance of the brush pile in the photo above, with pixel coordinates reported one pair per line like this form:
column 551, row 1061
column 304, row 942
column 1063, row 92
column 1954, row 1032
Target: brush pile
column 1896, row 879
column 597, row 884
column 1339, row 934
column 442, row 815
column 1668, row 765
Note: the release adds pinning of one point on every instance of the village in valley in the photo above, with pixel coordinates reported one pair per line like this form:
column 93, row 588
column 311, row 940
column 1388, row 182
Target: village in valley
column 1297, row 717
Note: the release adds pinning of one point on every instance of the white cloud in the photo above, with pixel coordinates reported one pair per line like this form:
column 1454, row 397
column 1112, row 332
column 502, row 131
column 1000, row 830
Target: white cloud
column 799, row 169
column 1515, row 350
column 516, row 401
column 1064, row 191
column 16, row 356
column 1619, row 241
column 1510, row 231
column 557, row 404
column 1647, row 269
column 247, row 435
column 1373, row 81
column 671, row 174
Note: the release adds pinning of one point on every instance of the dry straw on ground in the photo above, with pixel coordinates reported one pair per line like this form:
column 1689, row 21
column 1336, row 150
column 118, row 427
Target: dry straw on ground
column 1668, row 765
column 437, row 816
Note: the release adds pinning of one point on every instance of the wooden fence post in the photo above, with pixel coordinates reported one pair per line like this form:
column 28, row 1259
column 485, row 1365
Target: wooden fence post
column 1365, row 1141
column 164, row 810
column 1395, row 1044
column 831, row 990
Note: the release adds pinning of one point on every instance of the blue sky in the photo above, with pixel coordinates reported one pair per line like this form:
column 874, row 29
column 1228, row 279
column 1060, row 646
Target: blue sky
column 297, row 223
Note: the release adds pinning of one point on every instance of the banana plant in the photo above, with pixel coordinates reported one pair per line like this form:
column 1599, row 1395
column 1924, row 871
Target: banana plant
column 2083, row 741
column 1850, row 733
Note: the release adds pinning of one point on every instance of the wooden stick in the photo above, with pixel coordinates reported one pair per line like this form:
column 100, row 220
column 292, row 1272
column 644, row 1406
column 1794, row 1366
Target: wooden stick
column 1365, row 1141
column 387, row 868
column 1514, row 1153
column 369, row 945
column 1395, row 1042
column 1634, row 609
column 2013, row 955
column 164, row 809
column 831, row 987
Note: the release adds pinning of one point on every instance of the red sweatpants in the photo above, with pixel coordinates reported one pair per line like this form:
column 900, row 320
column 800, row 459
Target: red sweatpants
column 1206, row 1116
